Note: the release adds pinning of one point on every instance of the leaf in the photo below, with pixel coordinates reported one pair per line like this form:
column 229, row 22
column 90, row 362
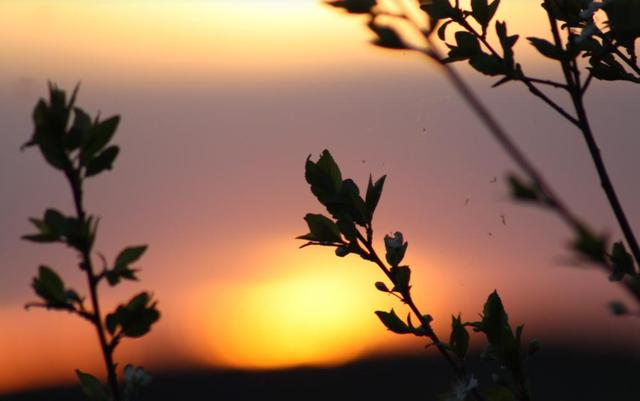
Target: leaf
column 393, row 322
column 99, row 136
column 507, row 42
column 380, row 286
column 618, row 308
column 387, row 37
column 438, row 9
column 401, row 279
column 374, row 191
column 50, row 287
column 590, row 245
column 79, row 130
column 324, row 177
column 459, row 339
column 622, row 262
column 546, row 48
column 354, row 6
column 483, row 12
column 322, row 229
column 92, row 388
column 104, row 161
column 130, row 255
column 495, row 321
column 134, row 319
column 522, row 191
column 488, row 64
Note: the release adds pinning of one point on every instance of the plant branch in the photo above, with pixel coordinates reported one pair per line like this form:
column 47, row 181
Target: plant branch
column 571, row 74
column 459, row 369
column 75, row 182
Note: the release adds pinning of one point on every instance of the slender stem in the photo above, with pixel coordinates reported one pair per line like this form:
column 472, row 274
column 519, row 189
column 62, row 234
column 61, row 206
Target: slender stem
column 458, row 367
column 627, row 60
column 520, row 76
column 92, row 281
column 572, row 77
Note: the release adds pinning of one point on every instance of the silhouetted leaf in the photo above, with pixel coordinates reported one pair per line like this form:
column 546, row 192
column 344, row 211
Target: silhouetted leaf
column 380, row 286
column 393, row 322
column 374, row 191
column 438, row 9
column 104, row 161
column 354, row 6
column 322, row 229
column 506, row 42
column 546, row 48
column 99, row 136
column 401, row 278
column 618, row 308
column 483, row 12
column 387, row 37
column 488, row 64
column 590, row 245
column 459, row 339
column 50, row 287
column 523, row 191
column 135, row 318
column 622, row 262
column 92, row 388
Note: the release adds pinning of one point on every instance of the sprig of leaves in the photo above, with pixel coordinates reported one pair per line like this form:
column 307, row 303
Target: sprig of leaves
column 349, row 230
column 79, row 146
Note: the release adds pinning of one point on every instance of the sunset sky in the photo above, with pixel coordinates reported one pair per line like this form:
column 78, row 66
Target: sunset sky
column 221, row 103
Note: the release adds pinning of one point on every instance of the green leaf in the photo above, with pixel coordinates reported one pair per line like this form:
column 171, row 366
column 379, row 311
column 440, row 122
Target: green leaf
column 522, row 191
column 590, row 245
column 401, row 279
column 104, row 161
column 92, row 388
column 354, row 6
column 546, row 48
column 618, row 308
column 438, row 9
column 459, row 339
column 134, row 319
column 393, row 322
column 322, row 229
column 324, row 177
column 79, row 130
column 50, row 287
column 506, row 42
column 99, row 136
column 355, row 205
column 387, row 37
column 374, row 191
column 483, row 12
column 467, row 47
column 495, row 321
column 130, row 255
column 622, row 262
column 488, row 64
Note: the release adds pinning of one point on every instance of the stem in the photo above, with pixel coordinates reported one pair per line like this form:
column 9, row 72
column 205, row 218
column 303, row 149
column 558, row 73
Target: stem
column 459, row 369
column 92, row 280
column 520, row 76
column 572, row 77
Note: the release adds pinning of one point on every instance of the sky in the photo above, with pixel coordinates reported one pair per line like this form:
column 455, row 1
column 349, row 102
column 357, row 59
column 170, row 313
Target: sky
column 221, row 103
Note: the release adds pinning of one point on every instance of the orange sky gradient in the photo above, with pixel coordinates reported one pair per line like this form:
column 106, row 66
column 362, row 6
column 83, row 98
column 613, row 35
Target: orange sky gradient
column 222, row 101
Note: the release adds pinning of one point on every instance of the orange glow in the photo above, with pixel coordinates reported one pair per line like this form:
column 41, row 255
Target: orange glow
column 316, row 310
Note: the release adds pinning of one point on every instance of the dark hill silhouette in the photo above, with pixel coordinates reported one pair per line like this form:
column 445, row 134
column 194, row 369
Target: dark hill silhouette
column 558, row 375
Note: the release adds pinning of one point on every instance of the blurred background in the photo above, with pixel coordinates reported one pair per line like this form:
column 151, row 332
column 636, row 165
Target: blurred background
column 221, row 103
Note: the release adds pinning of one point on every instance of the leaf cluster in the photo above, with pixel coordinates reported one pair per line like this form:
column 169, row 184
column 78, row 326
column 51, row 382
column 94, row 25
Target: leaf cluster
column 79, row 146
